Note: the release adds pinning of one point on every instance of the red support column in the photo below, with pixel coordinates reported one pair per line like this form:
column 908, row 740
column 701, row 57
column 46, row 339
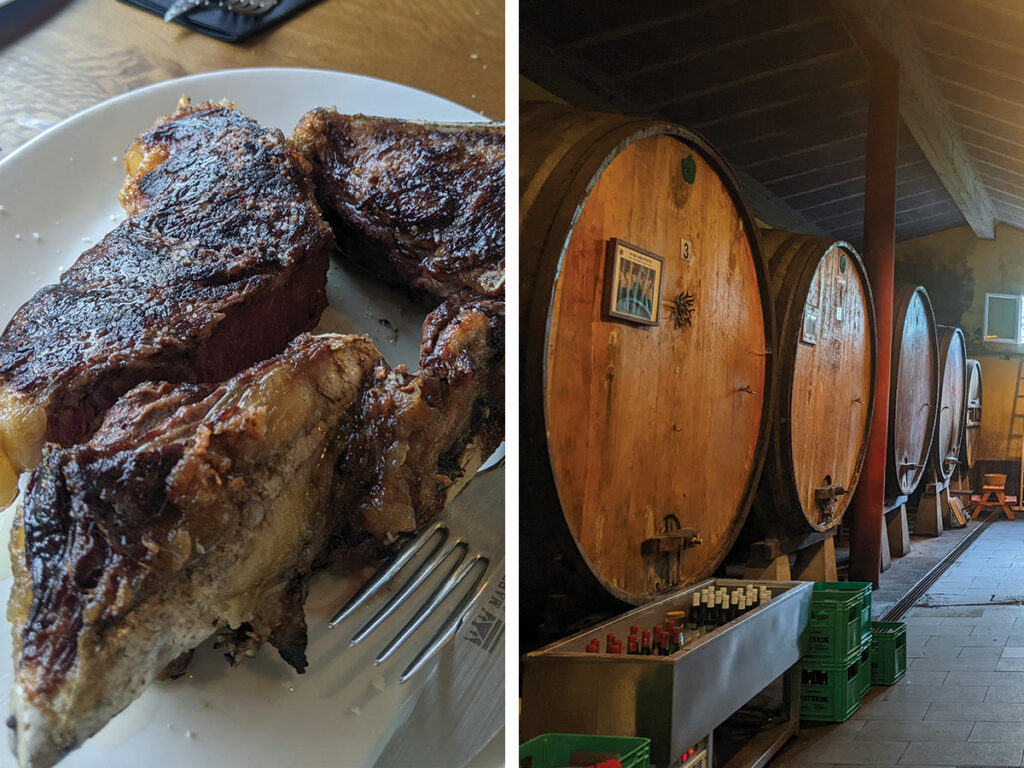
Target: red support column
column 879, row 258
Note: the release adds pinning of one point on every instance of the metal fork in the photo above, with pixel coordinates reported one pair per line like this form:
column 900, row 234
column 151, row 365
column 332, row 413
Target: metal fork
column 476, row 515
column 245, row 7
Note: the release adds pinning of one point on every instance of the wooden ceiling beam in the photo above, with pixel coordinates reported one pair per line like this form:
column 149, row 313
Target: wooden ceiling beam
column 884, row 25
column 771, row 210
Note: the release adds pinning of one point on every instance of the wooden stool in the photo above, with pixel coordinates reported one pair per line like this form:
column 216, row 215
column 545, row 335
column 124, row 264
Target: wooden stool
column 994, row 484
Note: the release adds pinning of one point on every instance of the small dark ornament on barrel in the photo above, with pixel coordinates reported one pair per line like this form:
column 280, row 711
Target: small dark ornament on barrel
column 683, row 307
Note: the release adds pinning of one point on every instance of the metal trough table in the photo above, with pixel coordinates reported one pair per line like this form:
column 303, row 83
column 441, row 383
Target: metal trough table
column 676, row 700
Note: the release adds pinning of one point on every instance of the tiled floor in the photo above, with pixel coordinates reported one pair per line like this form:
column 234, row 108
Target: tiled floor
column 962, row 700
column 905, row 572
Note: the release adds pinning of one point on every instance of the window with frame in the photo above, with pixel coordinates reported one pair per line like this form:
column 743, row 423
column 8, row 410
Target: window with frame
column 1004, row 321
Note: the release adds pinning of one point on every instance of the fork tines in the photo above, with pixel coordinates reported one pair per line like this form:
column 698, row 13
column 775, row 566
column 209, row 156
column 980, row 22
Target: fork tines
column 464, row 574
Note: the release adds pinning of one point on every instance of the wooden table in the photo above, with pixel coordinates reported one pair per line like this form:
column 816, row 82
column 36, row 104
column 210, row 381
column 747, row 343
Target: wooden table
column 59, row 56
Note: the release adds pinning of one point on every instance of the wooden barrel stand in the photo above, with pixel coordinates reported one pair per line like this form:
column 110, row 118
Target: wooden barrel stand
column 815, row 558
column 896, row 531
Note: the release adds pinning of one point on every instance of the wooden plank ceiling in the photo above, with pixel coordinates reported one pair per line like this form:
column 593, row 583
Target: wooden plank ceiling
column 779, row 87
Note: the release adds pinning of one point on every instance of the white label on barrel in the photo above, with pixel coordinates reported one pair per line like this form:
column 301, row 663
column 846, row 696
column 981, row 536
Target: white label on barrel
column 810, row 330
column 685, row 249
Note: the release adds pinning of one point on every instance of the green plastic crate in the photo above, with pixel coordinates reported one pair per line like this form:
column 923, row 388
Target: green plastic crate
column 888, row 652
column 555, row 750
column 830, row 693
column 864, row 675
column 861, row 587
column 833, row 631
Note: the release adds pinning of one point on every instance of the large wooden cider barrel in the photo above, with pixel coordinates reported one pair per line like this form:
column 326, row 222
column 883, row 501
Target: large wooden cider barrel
column 826, row 366
column 913, row 389
column 642, row 441
column 952, row 418
column 972, row 430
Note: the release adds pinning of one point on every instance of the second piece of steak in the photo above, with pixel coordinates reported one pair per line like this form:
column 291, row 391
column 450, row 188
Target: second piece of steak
column 425, row 433
column 422, row 204
column 193, row 507
column 221, row 262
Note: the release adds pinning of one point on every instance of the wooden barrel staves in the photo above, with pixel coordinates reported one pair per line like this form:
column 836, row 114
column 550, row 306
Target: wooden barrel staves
column 913, row 389
column 646, row 366
column 826, row 366
column 952, row 417
column 972, row 429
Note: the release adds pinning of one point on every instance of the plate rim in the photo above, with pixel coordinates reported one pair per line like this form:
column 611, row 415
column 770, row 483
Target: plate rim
column 86, row 112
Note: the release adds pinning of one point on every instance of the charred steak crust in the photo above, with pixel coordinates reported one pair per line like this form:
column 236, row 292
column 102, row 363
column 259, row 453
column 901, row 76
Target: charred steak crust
column 81, row 562
column 420, row 204
column 220, row 263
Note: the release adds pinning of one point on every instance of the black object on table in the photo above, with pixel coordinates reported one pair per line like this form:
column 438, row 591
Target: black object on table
column 225, row 25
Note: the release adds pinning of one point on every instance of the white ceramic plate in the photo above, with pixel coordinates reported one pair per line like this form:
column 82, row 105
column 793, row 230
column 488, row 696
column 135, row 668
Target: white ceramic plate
column 59, row 194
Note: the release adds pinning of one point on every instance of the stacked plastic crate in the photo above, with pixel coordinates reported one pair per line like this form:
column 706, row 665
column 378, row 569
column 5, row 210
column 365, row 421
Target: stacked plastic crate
column 837, row 655
column 888, row 651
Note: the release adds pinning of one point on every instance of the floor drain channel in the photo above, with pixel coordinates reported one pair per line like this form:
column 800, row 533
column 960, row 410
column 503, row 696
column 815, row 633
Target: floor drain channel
column 910, row 599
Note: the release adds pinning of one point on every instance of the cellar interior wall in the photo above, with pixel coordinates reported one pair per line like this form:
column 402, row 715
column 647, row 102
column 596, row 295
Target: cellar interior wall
column 958, row 270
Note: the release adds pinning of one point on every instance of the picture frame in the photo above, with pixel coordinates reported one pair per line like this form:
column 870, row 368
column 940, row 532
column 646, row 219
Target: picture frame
column 811, row 322
column 632, row 283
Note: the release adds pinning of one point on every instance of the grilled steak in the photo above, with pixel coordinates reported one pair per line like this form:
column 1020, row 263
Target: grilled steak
column 191, row 508
column 426, row 433
column 221, row 262
column 199, row 507
column 421, row 204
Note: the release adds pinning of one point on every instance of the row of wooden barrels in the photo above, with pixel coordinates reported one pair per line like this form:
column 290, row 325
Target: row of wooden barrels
column 671, row 351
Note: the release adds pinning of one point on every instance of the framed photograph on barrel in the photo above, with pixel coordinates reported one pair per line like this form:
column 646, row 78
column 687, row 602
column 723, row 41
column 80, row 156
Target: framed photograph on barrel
column 632, row 283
